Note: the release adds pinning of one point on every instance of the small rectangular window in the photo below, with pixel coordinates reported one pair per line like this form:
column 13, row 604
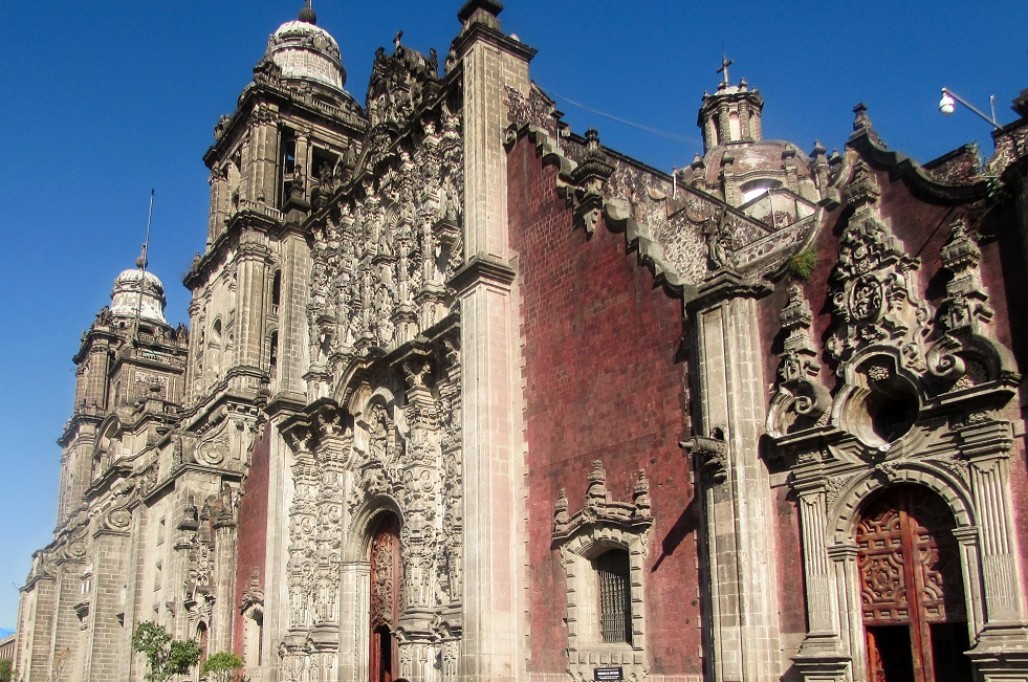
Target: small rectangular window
column 613, row 572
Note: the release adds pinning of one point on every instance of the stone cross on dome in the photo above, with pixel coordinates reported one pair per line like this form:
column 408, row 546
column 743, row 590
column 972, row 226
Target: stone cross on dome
column 725, row 63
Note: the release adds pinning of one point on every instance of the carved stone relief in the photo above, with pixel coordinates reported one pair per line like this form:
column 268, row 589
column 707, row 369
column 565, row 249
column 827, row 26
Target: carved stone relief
column 382, row 257
column 401, row 452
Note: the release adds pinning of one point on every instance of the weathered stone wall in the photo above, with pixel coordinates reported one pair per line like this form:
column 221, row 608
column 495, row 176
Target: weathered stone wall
column 602, row 381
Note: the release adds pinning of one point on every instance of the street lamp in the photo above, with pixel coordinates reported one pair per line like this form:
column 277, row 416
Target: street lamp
column 948, row 104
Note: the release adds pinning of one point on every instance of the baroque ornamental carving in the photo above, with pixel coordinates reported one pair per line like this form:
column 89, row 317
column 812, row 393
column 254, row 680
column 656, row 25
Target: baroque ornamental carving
column 875, row 296
column 398, row 451
column 599, row 509
column 801, row 400
column 382, row 258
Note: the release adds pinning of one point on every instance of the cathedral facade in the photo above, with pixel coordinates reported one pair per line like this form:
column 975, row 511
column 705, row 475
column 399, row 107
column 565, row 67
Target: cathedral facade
column 468, row 396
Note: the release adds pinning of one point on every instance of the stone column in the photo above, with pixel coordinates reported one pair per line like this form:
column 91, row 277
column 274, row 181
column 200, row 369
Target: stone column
column 354, row 630
column 264, row 176
column 225, row 546
column 820, row 658
column 219, row 201
column 251, row 302
column 745, row 632
column 1001, row 652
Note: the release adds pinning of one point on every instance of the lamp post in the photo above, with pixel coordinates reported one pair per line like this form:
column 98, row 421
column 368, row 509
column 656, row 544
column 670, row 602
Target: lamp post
column 948, row 104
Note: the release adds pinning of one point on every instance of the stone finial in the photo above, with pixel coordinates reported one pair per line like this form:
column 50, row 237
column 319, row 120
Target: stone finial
column 597, row 491
column 641, row 496
column 861, row 121
column 966, row 303
column 560, row 513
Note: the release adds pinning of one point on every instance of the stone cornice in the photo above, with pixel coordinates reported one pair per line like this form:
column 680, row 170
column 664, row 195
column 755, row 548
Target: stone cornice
column 722, row 285
column 169, row 482
column 920, row 182
column 242, row 221
column 482, row 269
column 256, row 94
column 479, row 32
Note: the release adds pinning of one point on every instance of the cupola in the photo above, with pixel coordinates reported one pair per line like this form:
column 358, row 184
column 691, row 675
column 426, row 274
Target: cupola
column 306, row 52
column 730, row 115
column 138, row 290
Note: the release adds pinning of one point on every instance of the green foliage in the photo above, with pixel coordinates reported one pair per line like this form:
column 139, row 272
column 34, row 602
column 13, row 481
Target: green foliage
column 6, row 670
column 801, row 266
column 165, row 657
column 220, row 666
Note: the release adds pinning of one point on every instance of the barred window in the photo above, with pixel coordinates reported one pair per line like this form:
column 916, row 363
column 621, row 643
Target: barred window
column 612, row 571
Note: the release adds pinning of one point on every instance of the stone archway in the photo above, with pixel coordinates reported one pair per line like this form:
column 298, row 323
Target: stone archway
column 911, row 588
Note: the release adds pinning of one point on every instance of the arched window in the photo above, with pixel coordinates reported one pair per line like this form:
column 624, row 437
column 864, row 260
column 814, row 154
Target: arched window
column 276, row 291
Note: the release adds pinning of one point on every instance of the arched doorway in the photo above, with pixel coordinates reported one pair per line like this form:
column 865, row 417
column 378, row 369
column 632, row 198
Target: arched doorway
column 911, row 591
column 386, row 586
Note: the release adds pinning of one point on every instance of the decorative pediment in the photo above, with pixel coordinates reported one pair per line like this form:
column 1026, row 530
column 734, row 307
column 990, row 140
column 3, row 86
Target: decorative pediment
column 400, row 84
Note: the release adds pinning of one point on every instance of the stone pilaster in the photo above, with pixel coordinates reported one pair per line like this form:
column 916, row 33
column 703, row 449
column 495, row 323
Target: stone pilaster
column 1001, row 652
column 745, row 631
column 294, row 349
column 252, row 291
column 491, row 480
column 109, row 638
column 821, row 657
column 491, row 62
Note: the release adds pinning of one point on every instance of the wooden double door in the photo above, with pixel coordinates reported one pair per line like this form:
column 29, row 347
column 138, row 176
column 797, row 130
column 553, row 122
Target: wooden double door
column 911, row 588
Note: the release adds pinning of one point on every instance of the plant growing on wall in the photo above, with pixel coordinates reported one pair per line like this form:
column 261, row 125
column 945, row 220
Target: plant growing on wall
column 220, row 666
column 6, row 671
column 165, row 656
column 801, row 266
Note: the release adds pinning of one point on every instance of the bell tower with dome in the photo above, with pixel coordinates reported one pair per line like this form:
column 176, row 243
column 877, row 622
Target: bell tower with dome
column 129, row 384
column 292, row 139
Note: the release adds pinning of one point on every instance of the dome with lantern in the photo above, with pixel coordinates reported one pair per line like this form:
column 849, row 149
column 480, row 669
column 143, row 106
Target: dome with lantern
column 304, row 51
column 139, row 293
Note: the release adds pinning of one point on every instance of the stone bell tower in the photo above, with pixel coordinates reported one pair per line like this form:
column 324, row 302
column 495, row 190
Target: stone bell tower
column 290, row 143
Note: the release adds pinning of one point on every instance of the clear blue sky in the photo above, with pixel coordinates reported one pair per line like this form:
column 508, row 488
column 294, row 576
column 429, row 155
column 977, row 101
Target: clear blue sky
column 103, row 100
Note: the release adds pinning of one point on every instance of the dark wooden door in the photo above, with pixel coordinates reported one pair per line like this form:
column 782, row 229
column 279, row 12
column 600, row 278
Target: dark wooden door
column 386, row 585
column 912, row 596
